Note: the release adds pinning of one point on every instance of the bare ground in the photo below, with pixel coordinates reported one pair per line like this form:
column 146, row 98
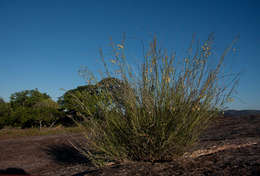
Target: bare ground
column 231, row 146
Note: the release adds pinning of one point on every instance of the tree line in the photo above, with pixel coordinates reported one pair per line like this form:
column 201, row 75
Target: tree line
column 32, row 108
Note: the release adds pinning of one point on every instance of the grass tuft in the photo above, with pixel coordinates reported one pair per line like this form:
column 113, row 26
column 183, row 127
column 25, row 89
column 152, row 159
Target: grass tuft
column 162, row 109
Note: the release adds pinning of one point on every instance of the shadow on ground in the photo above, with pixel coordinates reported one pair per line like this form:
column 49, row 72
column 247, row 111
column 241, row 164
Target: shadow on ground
column 16, row 171
column 95, row 172
column 66, row 154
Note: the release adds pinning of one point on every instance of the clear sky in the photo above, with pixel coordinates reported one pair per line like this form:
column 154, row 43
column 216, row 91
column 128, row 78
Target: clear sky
column 43, row 43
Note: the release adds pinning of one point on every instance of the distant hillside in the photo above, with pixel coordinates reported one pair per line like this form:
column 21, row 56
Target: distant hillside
column 234, row 113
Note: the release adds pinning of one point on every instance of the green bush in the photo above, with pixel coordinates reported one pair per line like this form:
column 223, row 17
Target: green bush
column 163, row 110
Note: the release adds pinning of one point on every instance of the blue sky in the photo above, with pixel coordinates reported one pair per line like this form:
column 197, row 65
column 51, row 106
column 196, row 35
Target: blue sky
column 44, row 43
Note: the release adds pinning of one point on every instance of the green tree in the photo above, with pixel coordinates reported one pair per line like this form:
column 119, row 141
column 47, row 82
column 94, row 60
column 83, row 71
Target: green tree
column 84, row 94
column 31, row 108
column 47, row 112
column 4, row 113
column 86, row 100
column 116, row 88
column 27, row 98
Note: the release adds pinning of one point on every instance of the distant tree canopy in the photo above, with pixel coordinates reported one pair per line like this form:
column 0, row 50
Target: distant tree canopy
column 31, row 108
column 86, row 100
column 1, row 100
column 2, row 106
column 85, row 94
column 27, row 98
column 115, row 86
column 5, row 111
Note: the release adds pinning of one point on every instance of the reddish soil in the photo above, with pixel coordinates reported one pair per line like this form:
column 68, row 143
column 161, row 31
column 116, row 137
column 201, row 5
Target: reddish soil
column 231, row 146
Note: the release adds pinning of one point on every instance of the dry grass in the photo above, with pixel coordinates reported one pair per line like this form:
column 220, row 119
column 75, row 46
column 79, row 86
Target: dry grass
column 215, row 149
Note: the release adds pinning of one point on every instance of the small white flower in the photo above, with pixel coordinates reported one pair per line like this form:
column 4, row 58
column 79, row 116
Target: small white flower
column 113, row 61
column 120, row 46
column 168, row 79
column 230, row 99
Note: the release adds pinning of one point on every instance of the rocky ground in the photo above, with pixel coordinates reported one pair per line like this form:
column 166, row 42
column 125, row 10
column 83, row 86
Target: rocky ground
column 231, row 146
